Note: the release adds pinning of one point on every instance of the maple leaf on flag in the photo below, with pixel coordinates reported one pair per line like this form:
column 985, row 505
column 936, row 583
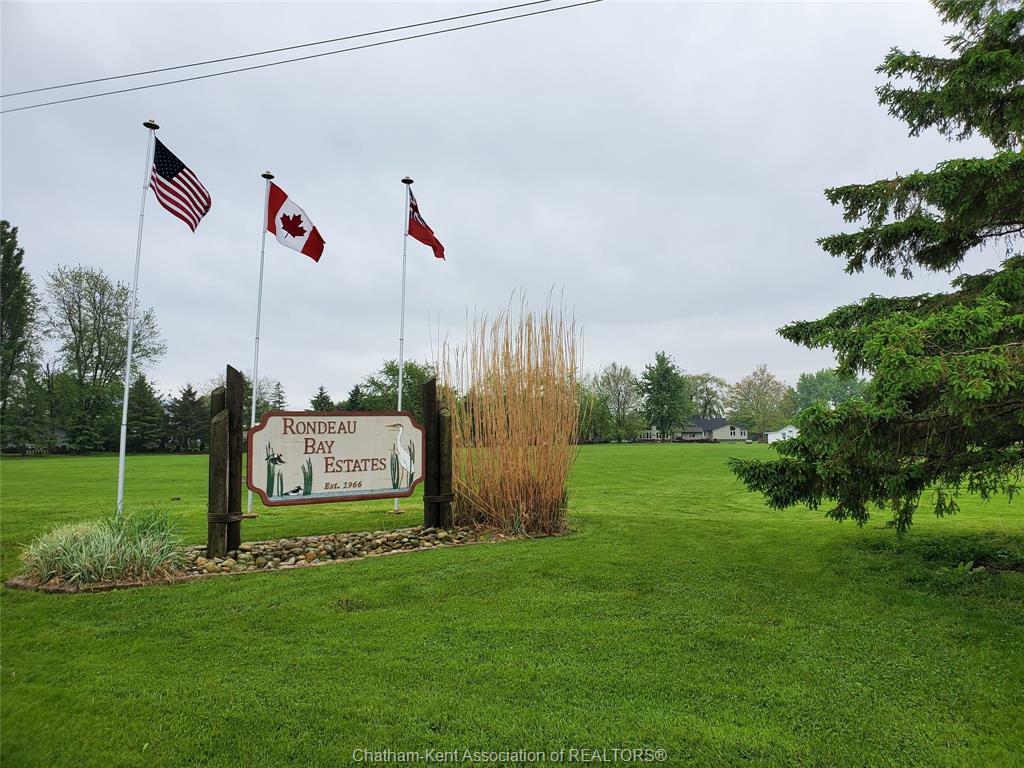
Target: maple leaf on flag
column 293, row 225
column 290, row 224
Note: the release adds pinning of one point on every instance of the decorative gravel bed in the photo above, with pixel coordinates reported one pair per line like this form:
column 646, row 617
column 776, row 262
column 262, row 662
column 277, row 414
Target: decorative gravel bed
column 304, row 551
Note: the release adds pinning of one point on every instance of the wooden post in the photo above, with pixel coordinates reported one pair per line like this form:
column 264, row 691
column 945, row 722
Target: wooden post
column 444, row 423
column 217, row 509
column 437, row 467
column 234, row 395
column 431, row 473
column 224, row 511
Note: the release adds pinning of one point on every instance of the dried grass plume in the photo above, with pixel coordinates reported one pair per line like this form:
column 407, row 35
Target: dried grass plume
column 513, row 394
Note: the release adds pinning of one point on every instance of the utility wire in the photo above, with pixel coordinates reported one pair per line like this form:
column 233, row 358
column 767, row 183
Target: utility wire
column 272, row 50
column 300, row 58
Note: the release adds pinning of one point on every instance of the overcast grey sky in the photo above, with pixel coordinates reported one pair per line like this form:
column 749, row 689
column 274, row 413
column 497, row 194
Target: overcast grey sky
column 660, row 163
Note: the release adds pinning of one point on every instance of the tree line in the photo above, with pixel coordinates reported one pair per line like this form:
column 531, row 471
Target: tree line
column 62, row 358
column 619, row 405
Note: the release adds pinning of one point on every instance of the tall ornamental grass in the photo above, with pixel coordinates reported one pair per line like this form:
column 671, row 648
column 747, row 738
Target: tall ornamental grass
column 137, row 546
column 513, row 394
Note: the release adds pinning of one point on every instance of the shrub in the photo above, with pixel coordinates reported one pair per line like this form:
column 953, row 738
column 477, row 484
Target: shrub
column 513, row 394
column 140, row 545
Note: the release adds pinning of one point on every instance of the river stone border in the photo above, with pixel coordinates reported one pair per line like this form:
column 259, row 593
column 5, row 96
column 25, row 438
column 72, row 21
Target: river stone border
column 289, row 554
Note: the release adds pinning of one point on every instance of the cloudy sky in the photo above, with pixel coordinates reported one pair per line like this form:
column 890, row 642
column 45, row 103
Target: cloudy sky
column 661, row 164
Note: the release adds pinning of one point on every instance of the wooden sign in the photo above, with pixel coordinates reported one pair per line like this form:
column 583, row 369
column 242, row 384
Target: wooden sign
column 302, row 457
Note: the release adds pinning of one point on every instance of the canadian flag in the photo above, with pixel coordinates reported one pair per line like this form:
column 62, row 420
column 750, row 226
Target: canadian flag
column 291, row 226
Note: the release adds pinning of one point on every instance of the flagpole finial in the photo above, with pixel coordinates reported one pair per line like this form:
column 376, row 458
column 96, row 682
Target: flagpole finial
column 151, row 124
column 267, row 175
column 407, row 180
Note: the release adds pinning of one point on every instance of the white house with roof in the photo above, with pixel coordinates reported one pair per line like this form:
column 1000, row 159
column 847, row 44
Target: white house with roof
column 719, row 429
column 783, row 434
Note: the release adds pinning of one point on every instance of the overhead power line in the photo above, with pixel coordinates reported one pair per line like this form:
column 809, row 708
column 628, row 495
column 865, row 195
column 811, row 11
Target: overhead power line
column 301, row 58
column 271, row 50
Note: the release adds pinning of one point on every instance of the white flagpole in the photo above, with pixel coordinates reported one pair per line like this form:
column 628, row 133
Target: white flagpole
column 401, row 333
column 152, row 127
column 259, row 308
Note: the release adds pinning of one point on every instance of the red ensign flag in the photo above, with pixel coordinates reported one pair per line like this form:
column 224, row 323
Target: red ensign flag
column 291, row 225
column 418, row 228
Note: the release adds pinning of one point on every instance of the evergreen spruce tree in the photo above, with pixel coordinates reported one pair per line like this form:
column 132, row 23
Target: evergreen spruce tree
column 188, row 420
column 277, row 399
column 147, row 418
column 321, row 401
column 355, row 400
column 28, row 423
column 945, row 407
column 18, row 332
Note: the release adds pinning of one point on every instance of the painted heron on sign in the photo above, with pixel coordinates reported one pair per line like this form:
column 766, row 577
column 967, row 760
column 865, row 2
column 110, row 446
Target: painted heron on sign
column 404, row 460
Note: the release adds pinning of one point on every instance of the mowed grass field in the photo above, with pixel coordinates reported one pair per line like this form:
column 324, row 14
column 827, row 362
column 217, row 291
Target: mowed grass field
column 681, row 614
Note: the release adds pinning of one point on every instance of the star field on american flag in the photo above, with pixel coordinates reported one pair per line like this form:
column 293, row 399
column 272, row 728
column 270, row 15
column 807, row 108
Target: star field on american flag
column 177, row 188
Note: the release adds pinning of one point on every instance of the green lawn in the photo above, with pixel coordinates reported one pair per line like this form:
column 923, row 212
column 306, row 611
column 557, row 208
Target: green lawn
column 682, row 614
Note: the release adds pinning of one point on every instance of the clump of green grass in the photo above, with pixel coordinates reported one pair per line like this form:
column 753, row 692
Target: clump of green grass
column 137, row 546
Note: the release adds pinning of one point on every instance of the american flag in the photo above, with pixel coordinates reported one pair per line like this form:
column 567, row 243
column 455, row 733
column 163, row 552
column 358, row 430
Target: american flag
column 178, row 189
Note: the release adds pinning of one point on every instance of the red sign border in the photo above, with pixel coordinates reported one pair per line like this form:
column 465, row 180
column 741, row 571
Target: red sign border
column 263, row 424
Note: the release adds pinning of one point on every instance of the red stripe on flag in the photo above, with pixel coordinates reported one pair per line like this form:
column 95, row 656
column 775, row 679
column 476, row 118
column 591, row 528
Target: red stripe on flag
column 173, row 192
column 277, row 199
column 173, row 205
column 314, row 247
column 172, row 208
column 191, row 190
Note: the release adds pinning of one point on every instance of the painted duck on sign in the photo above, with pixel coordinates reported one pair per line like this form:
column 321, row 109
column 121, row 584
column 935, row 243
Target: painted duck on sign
column 275, row 476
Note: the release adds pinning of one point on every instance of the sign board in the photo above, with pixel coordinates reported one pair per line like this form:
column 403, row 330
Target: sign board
column 304, row 457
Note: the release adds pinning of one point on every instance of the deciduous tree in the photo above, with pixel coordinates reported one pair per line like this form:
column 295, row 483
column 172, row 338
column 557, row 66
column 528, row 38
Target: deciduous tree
column 826, row 386
column 708, row 395
column 379, row 391
column 945, row 407
column 87, row 315
column 596, row 419
column 620, row 391
column 760, row 401
column 667, row 398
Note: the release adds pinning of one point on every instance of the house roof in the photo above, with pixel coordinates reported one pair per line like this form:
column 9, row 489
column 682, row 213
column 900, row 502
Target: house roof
column 709, row 425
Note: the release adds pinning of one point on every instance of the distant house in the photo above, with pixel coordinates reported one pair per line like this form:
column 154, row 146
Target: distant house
column 700, row 430
column 713, row 429
column 783, row 434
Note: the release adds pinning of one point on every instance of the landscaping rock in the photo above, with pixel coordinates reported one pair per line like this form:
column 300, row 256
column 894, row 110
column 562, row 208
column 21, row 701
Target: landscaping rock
column 303, row 551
